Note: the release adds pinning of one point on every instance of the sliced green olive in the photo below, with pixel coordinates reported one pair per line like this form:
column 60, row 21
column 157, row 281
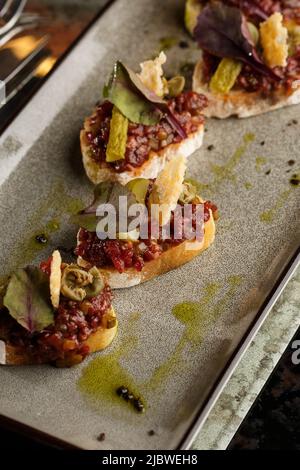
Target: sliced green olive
column 97, row 286
column 139, row 188
column 78, row 284
column 176, row 86
column 116, row 146
column 225, row 76
column 73, row 282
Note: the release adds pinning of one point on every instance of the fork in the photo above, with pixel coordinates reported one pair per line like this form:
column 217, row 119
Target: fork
column 11, row 13
column 15, row 31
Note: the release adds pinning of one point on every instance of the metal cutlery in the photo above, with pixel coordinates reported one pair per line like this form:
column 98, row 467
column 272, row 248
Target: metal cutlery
column 12, row 11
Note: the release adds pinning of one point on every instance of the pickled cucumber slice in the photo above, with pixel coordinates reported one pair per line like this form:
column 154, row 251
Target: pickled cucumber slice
column 116, row 146
column 192, row 11
column 225, row 76
column 139, row 188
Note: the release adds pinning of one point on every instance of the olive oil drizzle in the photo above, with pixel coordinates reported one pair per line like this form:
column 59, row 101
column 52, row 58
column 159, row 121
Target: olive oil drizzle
column 197, row 318
column 269, row 215
column 259, row 163
column 52, row 209
column 102, row 377
column 225, row 172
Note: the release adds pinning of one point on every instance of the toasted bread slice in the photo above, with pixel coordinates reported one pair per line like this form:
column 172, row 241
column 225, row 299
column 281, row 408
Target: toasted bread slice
column 170, row 259
column 98, row 172
column 100, row 339
column 241, row 103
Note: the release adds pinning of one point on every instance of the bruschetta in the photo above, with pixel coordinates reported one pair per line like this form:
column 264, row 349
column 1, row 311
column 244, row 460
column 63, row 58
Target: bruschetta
column 143, row 123
column 58, row 313
column 130, row 260
column 250, row 55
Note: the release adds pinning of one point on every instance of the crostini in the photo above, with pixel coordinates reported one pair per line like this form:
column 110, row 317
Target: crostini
column 58, row 313
column 250, row 62
column 130, row 259
column 144, row 122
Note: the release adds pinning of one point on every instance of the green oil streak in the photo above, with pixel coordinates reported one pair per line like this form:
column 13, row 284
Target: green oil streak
column 248, row 185
column 167, row 43
column 269, row 215
column 53, row 207
column 225, row 172
column 259, row 162
column 196, row 317
column 105, row 374
column 102, row 377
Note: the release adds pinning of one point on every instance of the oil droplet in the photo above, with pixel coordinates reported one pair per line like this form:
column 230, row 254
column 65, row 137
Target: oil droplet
column 295, row 180
column 102, row 377
column 53, row 225
column 269, row 215
column 248, row 185
column 259, row 162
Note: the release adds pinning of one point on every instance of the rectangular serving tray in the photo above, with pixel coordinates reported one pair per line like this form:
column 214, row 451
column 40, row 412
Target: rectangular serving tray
column 182, row 334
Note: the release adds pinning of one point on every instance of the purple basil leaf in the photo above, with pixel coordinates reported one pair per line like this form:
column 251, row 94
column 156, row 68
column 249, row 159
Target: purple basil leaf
column 222, row 31
column 27, row 299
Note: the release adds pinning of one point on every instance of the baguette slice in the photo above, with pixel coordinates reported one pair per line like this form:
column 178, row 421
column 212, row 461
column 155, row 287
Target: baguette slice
column 241, row 103
column 99, row 172
column 170, row 259
column 100, row 339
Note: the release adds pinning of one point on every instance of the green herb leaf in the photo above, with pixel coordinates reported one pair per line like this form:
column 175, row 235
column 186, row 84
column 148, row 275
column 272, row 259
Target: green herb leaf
column 87, row 218
column 123, row 93
column 139, row 104
column 28, row 299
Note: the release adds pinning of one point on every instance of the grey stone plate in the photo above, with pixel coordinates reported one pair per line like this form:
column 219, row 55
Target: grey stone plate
column 181, row 334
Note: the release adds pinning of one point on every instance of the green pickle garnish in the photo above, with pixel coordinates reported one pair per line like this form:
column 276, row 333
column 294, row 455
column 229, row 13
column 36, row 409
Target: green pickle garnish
column 225, row 76
column 116, row 146
column 228, row 70
column 192, row 11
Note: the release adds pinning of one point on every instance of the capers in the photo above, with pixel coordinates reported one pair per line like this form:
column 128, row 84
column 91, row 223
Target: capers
column 42, row 239
column 78, row 284
column 128, row 396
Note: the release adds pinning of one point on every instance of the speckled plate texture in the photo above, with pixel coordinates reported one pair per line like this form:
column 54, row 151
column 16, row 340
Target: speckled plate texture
column 179, row 332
